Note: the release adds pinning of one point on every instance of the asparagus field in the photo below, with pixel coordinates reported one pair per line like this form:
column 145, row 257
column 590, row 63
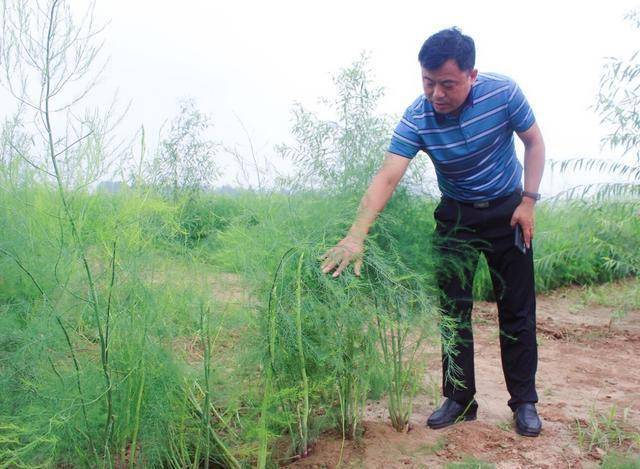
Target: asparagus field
column 150, row 319
column 215, row 337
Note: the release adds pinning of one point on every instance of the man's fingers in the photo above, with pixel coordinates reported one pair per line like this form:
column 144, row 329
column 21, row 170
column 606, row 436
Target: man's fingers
column 331, row 259
column 328, row 266
column 326, row 263
column 332, row 254
column 357, row 268
column 340, row 256
column 330, row 263
column 528, row 236
column 341, row 267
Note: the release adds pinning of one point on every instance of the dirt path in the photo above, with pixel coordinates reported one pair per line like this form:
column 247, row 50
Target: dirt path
column 589, row 361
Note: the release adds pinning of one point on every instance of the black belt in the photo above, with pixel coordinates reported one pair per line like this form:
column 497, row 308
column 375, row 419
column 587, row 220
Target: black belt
column 483, row 203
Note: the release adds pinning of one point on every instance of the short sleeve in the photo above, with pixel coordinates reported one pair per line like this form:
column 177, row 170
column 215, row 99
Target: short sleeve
column 405, row 140
column 520, row 113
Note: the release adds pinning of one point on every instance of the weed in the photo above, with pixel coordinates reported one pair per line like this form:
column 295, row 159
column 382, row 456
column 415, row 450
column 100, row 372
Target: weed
column 606, row 431
column 434, row 392
column 470, row 462
column 505, row 425
column 431, row 448
column 615, row 460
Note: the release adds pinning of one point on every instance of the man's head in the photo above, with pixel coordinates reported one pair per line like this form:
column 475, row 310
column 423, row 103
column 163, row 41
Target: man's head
column 447, row 60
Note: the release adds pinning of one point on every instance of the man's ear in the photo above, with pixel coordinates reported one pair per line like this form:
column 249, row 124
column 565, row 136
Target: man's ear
column 473, row 75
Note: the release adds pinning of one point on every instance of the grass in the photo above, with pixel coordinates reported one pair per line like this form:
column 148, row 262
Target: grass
column 431, row 448
column 54, row 408
column 60, row 374
column 607, row 431
column 505, row 425
column 616, row 460
column 621, row 296
column 625, row 299
column 469, row 462
column 434, row 392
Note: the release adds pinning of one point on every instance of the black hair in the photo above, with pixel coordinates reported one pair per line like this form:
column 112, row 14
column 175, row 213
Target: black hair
column 448, row 44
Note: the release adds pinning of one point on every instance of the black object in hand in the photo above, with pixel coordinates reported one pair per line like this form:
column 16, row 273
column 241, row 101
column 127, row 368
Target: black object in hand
column 519, row 239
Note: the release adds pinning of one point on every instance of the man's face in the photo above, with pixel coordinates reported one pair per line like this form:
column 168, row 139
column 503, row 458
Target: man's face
column 447, row 87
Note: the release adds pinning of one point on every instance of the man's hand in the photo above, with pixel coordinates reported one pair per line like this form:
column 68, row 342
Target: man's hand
column 524, row 216
column 350, row 249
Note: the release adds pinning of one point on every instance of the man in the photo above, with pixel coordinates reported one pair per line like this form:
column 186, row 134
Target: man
column 465, row 122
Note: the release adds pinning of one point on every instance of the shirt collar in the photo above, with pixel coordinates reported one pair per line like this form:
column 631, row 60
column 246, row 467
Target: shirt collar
column 442, row 118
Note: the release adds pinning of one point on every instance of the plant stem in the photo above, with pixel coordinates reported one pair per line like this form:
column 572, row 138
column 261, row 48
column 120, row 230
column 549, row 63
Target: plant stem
column 205, row 337
column 264, row 440
column 303, row 371
column 136, row 427
column 77, row 368
column 70, row 218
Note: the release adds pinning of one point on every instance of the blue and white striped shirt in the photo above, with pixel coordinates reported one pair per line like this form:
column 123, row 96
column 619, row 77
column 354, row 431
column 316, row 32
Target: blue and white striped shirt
column 473, row 154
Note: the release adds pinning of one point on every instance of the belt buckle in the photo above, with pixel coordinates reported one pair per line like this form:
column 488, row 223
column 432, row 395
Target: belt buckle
column 483, row 204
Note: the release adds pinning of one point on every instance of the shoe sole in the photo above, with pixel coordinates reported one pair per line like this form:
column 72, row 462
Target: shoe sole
column 467, row 418
column 527, row 433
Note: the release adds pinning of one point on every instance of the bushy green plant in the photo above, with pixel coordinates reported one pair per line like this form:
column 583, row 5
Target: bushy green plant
column 322, row 346
column 342, row 153
column 203, row 216
column 582, row 242
column 618, row 104
column 327, row 338
column 184, row 164
column 406, row 317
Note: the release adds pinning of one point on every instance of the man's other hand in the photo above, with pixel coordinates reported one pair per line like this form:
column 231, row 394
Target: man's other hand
column 524, row 215
column 350, row 249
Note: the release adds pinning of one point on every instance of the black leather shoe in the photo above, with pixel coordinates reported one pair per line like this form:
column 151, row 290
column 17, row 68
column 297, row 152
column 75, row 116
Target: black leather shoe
column 527, row 421
column 452, row 412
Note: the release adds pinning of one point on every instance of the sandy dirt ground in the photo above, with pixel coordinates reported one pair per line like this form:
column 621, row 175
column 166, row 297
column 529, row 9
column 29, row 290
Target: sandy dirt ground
column 589, row 364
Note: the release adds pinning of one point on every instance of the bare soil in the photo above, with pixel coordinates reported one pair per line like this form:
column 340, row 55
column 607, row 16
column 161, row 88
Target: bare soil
column 589, row 361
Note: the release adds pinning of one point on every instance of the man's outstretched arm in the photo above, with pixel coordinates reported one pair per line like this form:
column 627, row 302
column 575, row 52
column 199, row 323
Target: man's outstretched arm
column 351, row 247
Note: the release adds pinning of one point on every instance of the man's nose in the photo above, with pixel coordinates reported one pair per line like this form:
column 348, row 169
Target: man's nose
column 438, row 92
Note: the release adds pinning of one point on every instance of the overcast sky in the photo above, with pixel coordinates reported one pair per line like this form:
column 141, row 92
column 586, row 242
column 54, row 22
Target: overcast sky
column 254, row 59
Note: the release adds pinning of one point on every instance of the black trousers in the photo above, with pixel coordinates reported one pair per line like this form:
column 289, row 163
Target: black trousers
column 463, row 232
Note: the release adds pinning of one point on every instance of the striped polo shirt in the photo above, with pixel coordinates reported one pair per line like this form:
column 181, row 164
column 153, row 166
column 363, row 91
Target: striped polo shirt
column 473, row 153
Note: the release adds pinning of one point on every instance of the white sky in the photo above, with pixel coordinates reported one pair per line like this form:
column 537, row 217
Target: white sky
column 253, row 59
